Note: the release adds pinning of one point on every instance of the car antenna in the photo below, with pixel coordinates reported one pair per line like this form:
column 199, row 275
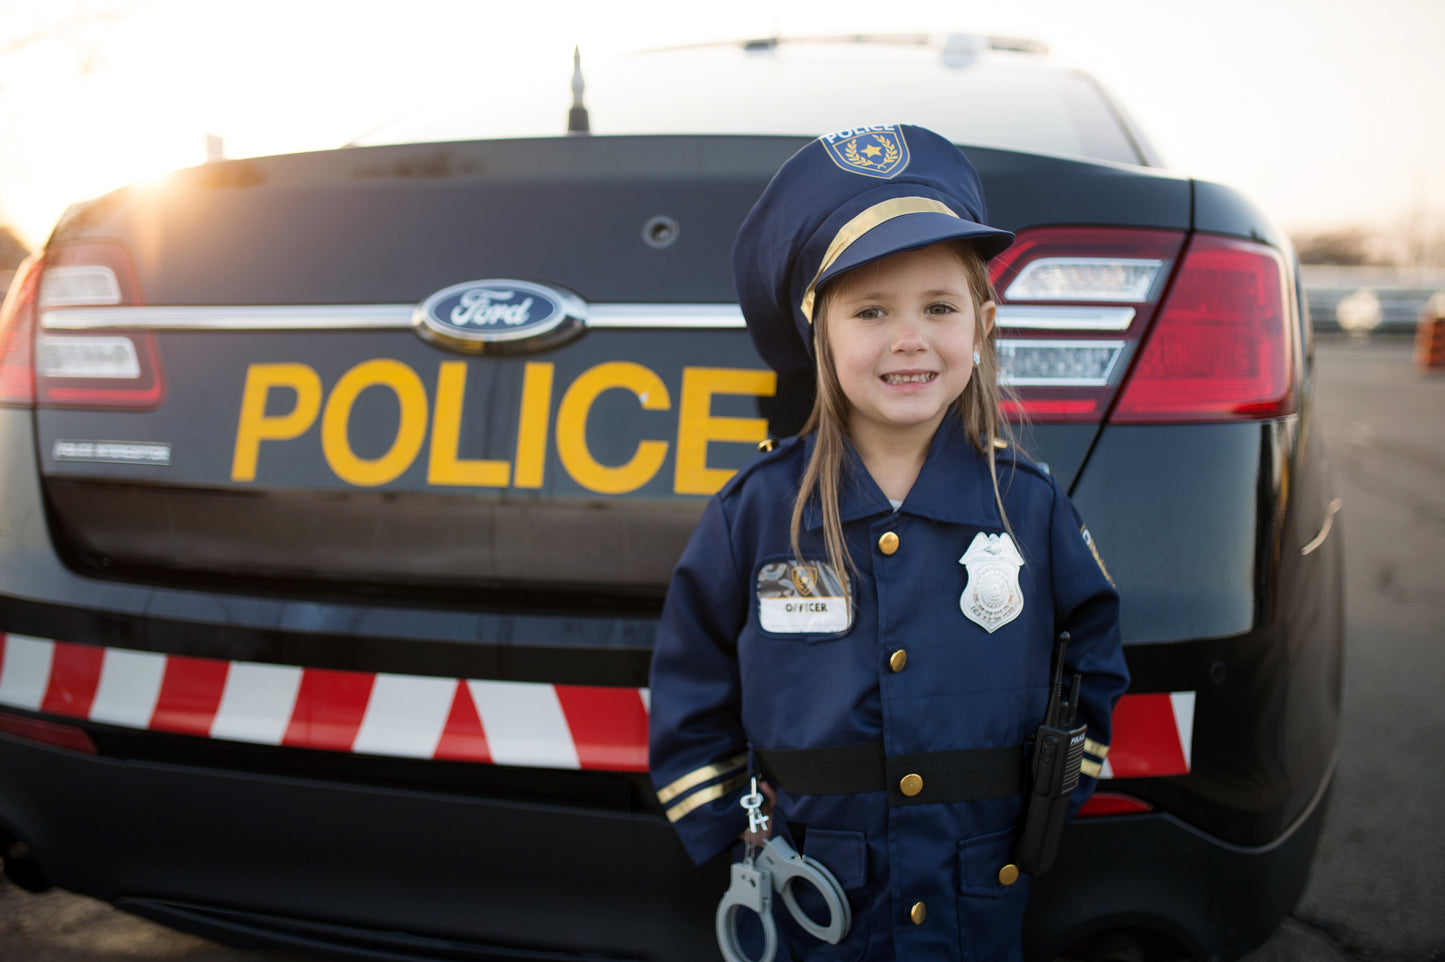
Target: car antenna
column 577, row 122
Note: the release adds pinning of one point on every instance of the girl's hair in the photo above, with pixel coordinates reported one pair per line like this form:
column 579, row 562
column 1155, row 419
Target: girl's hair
column 979, row 408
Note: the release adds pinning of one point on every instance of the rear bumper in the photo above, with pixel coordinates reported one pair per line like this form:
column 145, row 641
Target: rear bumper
column 1153, row 873
column 252, row 858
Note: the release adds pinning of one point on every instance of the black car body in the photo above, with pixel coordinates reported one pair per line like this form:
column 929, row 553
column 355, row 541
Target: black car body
column 319, row 630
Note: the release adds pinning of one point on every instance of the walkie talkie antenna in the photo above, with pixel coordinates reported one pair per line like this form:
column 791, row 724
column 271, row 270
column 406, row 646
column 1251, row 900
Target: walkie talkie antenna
column 1053, row 714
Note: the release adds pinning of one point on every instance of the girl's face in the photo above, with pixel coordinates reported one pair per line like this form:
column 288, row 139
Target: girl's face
column 902, row 332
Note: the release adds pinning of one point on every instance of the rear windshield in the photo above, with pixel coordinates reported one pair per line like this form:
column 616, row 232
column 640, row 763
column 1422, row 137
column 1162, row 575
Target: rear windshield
column 998, row 99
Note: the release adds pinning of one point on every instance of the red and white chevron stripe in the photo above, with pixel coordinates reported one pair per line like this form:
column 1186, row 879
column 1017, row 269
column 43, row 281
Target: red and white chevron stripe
column 418, row 716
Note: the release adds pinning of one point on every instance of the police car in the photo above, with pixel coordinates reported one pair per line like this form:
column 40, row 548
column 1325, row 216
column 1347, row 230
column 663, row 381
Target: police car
column 342, row 489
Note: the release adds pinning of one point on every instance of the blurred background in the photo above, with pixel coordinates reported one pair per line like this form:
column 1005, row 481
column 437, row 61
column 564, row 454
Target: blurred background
column 1329, row 114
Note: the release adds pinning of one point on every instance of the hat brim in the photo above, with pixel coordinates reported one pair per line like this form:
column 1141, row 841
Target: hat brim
column 911, row 232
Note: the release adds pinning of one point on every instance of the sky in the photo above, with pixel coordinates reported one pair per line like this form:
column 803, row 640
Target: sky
column 1329, row 113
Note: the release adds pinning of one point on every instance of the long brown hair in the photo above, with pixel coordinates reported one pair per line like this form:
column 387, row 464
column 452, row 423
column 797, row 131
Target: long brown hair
column 979, row 408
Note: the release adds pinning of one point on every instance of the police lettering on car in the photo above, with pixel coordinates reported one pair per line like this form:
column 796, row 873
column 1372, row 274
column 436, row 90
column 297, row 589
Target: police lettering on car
column 866, row 616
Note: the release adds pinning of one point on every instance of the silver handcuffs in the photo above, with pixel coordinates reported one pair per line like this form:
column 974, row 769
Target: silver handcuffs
column 775, row 867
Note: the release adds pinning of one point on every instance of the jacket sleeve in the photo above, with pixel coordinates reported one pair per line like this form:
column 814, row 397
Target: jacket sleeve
column 1086, row 605
column 697, row 749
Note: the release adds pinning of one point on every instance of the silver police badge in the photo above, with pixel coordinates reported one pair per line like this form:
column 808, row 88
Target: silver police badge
column 878, row 151
column 992, row 598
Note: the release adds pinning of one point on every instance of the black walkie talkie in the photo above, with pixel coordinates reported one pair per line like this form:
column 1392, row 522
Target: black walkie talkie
column 1058, row 751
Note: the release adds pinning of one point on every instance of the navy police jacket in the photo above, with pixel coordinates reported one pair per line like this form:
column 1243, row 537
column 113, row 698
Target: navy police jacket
column 880, row 704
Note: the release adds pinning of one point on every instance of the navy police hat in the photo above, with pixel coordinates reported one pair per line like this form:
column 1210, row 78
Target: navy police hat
column 844, row 200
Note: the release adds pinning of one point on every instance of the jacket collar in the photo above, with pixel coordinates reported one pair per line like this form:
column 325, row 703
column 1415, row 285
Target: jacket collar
column 954, row 485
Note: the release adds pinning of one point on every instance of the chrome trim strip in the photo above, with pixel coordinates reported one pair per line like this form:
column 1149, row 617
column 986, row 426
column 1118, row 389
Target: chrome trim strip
column 1029, row 318
column 301, row 317
column 361, row 317
column 1319, row 539
column 306, row 317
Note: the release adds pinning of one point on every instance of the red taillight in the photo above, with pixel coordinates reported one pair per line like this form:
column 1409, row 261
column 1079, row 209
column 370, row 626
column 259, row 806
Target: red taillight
column 1112, row 803
column 83, row 357
column 47, row 733
column 17, row 334
column 1222, row 348
column 1073, row 302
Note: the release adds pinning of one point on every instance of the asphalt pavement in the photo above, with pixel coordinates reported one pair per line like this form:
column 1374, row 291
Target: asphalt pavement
column 1377, row 889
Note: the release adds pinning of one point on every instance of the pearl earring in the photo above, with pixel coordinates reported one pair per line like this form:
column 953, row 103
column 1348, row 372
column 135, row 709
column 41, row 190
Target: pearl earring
column 976, row 358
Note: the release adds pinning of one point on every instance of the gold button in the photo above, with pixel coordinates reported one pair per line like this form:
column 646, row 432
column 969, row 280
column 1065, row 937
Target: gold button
column 918, row 913
column 1008, row 875
column 898, row 659
column 766, row 445
column 888, row 543
column 911, row 785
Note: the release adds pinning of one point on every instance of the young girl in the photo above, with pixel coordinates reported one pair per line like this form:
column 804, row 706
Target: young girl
column 866, row 614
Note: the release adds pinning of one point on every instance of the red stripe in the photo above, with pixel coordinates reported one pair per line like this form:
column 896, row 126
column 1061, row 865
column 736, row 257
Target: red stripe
column 190, row 693
column 609, row 726
column 2, row 656
column 74, row 677
column 329, row 709
column 1146, row 741
column 463, row 738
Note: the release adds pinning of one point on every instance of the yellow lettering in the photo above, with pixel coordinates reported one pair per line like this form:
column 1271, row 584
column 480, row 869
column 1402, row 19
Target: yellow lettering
column 445, row 467
column 255, row 427
column 336, row 444
column 532, row 425
column 572, row 427
column 696, row 426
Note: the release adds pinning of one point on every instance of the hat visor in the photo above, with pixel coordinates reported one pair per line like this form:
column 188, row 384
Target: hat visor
column 911, row 232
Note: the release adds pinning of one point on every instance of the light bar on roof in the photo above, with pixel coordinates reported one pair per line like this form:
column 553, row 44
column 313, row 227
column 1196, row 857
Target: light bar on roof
column 1058, row 363
column 1124, row 279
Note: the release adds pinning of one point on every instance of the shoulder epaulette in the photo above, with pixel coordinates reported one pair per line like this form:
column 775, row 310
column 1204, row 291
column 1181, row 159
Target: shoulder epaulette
column 769, row 450
column 1010, row 454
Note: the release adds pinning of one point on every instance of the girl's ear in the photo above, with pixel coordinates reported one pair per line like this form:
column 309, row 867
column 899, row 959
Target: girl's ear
column 986, row 312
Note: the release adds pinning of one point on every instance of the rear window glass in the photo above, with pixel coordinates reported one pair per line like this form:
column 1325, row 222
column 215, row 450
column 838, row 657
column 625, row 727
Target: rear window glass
column 1017, row 101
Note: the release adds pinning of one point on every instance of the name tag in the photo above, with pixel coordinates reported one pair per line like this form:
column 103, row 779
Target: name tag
column 807, row 598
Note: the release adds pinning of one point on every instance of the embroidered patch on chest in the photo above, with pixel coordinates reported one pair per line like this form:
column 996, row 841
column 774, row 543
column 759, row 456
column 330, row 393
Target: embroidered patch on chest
column 992, row 598
column 806, row 597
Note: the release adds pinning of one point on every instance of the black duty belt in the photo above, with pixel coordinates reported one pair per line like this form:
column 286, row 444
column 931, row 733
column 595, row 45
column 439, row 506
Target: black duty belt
column 961, row 775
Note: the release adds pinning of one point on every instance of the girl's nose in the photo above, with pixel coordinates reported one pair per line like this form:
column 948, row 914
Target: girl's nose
column 908, row 336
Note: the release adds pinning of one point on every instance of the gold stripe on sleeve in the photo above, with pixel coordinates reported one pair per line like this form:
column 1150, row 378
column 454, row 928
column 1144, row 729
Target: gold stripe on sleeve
column 697, row 776
column 1091, row 768
column 1098, row 749
column 700, row 798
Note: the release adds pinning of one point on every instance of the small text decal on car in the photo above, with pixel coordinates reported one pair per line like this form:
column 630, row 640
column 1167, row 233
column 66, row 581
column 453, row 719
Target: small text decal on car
column 500, row 316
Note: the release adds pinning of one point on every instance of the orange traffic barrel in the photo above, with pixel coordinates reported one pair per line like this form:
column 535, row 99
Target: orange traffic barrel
column 1430, row 335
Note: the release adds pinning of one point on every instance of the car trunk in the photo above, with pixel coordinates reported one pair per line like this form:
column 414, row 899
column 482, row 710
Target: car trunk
column 288, row 427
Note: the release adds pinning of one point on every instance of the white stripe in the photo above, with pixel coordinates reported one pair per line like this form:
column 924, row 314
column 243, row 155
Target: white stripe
column 646, row 695
column 130, row 683
column 25, row 675
column 257, row 703
column 1108, row 771
column 405, row 716
column 524, row 724
column 1183, row 705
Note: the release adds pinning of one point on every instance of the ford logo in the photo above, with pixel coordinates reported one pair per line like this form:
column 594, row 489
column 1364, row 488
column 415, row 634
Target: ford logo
column 500, row 316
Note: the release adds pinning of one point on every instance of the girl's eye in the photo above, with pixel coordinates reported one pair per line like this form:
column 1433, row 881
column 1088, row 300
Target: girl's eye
column 940, row 308
column 870, row 313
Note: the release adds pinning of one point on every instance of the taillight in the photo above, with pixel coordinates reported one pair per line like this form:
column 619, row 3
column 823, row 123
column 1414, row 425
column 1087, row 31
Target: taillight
column 1078, row 327
column 1073, row 303
column 1222, row 348
column 47, row 733
column 1101, row 804
column 83, row 355
column 17, row 335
